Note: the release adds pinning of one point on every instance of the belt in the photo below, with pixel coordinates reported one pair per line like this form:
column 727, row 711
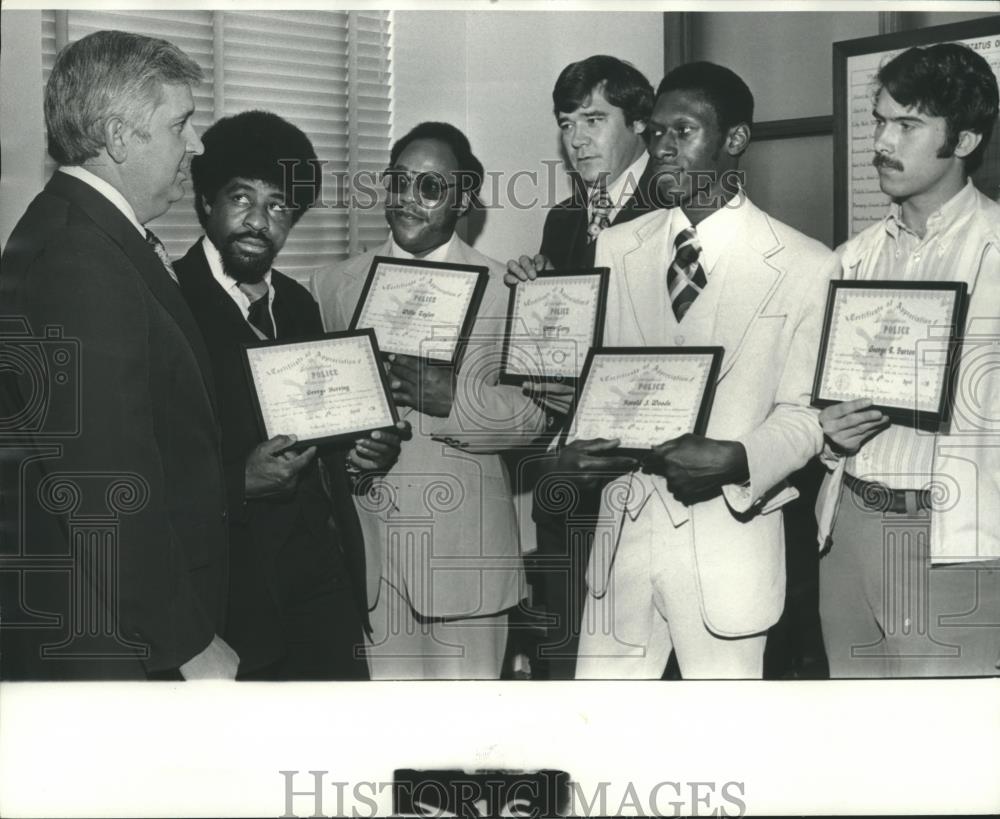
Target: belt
column 880, row 498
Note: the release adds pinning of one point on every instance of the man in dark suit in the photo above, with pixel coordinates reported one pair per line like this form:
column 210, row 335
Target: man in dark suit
column 297, row 593
column 117, row 508
column 601, row 105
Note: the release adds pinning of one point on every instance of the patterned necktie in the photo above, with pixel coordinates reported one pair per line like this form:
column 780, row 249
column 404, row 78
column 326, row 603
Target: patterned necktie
column 686, row 277
column 161, row 253
column 600, row 212
column 259, row 315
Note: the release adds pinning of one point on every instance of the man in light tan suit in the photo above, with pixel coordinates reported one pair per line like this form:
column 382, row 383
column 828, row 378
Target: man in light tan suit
column 689, row 553
column 444, row 562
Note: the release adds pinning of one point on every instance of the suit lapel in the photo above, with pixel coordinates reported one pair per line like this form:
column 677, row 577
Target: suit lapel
column 113, row 223
column 746, row 280
column 201, row 287
column 643, row 262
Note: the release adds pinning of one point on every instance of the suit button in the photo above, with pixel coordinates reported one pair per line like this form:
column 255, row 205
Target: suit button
column 678, row 340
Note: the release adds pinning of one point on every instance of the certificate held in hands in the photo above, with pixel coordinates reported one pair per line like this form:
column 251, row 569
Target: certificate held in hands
column 645, row 395
column 552, row 323
column 323, row 390
column 420, row 308
column 895, row 343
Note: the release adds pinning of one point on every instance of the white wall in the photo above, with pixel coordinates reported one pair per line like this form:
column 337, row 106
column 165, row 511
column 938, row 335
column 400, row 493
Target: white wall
column 22, row 125
column 491, row 74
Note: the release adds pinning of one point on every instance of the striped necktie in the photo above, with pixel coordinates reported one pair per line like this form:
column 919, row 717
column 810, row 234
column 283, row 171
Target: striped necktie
column 259, row 314
column 161, row 253
column 600, row 212
column 686, row 277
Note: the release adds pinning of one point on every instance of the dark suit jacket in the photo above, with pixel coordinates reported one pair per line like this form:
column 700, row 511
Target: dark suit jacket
column 137, row 459
column 279, row 545
column 564, row 237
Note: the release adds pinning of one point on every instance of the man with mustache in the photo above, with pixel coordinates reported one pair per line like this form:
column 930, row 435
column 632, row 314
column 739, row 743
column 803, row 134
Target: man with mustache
column 932, row 609
column 443, row 551
column 127, row 482
column 689, row 554
column 297, row 608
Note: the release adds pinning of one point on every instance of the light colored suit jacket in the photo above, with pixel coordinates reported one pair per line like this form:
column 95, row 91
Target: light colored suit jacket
column 440, row 526
column 770, row 285
column 965, row 522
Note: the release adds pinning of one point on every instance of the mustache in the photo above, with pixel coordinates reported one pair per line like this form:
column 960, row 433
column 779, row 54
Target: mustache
column 233, row 238
column 884, row 161
column 404, row 210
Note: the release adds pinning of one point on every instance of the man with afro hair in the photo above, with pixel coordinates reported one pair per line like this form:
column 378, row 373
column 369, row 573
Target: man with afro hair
column 297, row 609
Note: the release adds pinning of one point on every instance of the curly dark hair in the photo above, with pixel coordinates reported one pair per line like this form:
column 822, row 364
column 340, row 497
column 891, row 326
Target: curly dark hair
column 257, row 145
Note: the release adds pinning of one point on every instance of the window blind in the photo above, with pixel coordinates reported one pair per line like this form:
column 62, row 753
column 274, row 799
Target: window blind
column 328, row 72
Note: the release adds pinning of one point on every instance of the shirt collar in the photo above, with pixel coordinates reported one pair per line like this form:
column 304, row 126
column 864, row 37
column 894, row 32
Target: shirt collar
column 439, row 254
column 960, row 205
column 624, row 186
column 227, row 282
column 716, row 231
column 107, row 190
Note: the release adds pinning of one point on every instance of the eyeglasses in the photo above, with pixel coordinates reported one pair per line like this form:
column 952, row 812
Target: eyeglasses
column 429, row 187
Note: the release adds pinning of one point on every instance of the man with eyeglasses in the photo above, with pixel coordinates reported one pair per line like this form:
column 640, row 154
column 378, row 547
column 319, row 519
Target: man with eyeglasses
column 443, row 555
column 296, row 605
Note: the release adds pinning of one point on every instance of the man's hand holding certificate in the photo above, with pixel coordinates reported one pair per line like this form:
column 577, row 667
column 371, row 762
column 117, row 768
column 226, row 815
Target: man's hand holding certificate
column 648, row 407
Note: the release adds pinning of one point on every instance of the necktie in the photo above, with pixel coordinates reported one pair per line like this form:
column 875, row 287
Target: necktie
column 686, row 277
column 161, row 253
column 259, row 315
column 600, row 212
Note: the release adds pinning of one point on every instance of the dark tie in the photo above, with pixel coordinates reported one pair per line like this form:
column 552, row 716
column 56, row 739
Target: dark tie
column 600, row 212
column 686, row 277
column 161, row 253
column 260, row 317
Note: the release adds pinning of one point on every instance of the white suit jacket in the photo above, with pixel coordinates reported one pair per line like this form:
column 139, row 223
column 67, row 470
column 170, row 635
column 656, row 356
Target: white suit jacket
column 440, row 526
column 770, row 285
column 965, row 513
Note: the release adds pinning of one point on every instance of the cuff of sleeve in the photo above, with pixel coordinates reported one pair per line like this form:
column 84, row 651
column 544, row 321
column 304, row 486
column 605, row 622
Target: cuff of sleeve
column 829, row 458
column 739, row 496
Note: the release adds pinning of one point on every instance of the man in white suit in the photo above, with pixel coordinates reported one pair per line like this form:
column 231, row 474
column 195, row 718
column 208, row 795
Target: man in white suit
column 444, row 562
column 690, row 553
column 911, row 584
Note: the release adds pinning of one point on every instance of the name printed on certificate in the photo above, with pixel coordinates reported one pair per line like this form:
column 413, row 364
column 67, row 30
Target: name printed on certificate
column 552, row 323
column 644, row 399
column 420, row 309
column 888, row 344
column 320, row 389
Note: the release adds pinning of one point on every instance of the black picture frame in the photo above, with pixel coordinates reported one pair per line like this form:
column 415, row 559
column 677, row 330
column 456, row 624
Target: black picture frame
column 908, row 416
column 603, row 275
column 471, row 310
column 886, row 43
column 328, row 440
column 707, row 398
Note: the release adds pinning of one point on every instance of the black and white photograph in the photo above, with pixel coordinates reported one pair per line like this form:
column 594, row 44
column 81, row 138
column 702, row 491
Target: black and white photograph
column 256, row 561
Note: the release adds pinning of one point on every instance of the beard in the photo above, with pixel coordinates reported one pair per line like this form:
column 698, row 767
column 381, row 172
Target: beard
column 243, row 267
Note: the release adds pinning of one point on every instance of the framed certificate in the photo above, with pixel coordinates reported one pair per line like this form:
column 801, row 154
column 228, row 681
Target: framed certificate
column 322, row 390
column 645, row 395
column 894, row 342
column 552, row 323
column 420, row 308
